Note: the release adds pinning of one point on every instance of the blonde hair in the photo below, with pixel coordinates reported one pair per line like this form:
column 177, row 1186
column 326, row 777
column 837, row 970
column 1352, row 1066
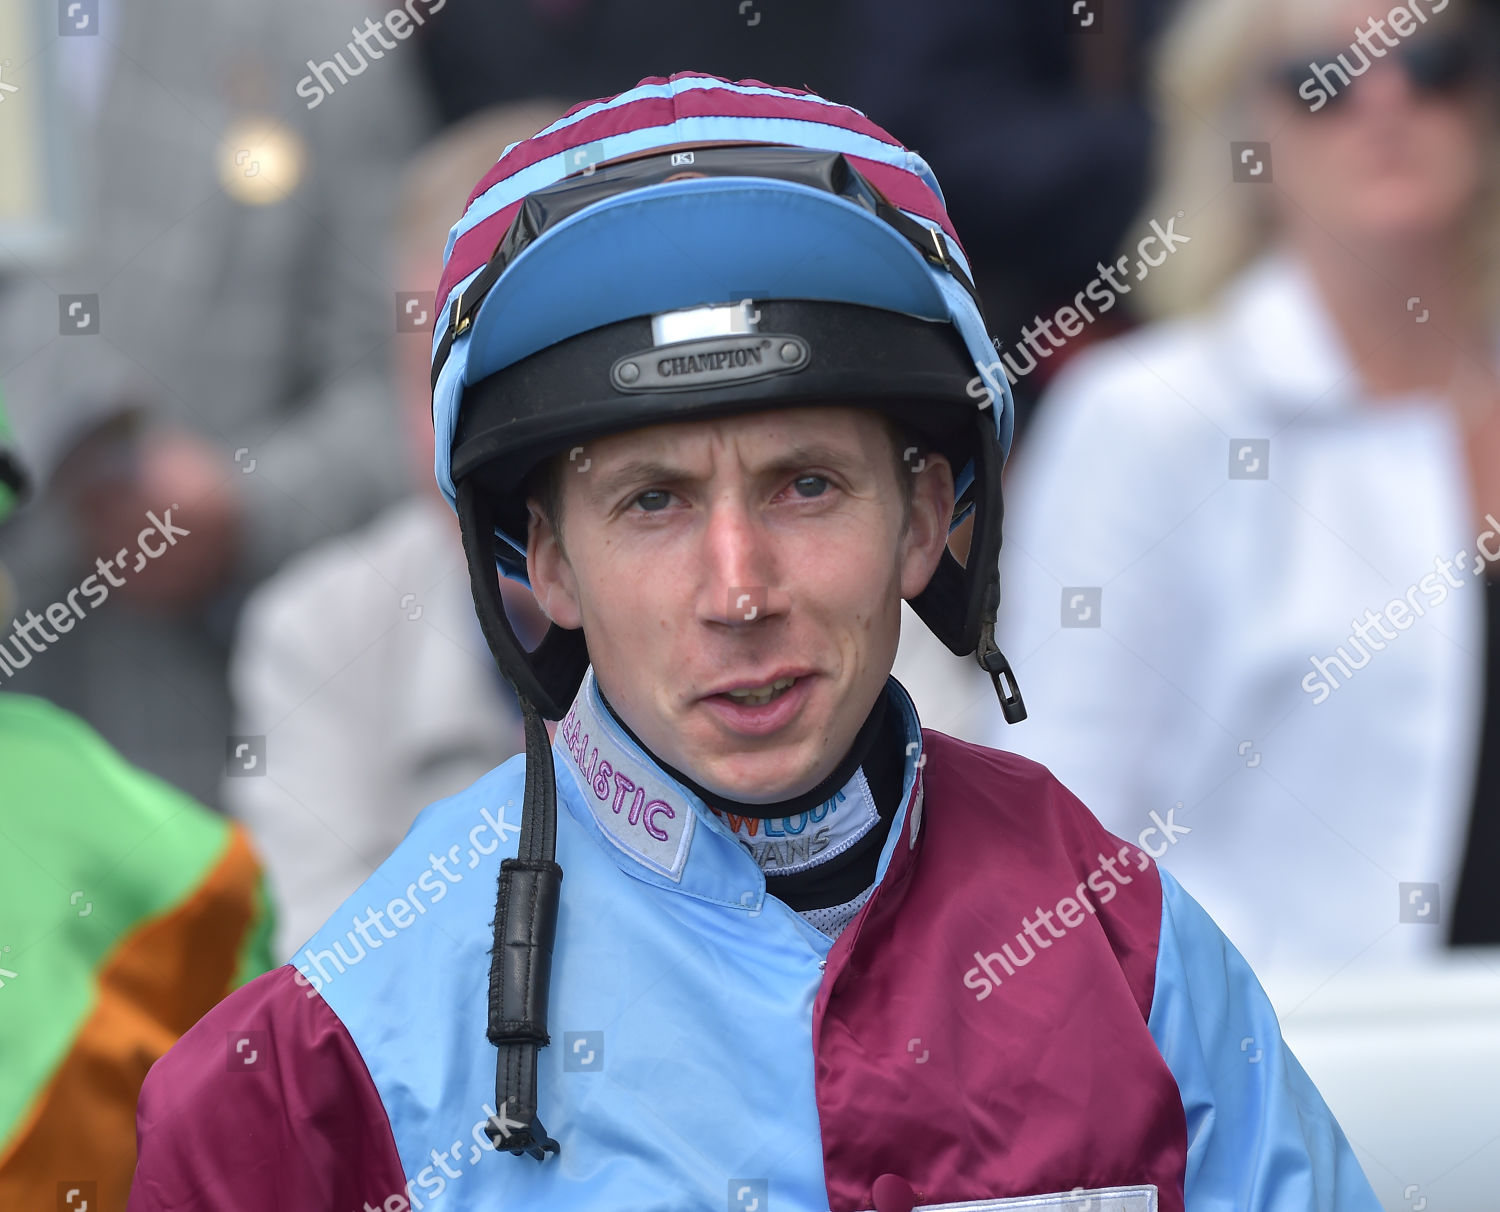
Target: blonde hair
column 1206, row 72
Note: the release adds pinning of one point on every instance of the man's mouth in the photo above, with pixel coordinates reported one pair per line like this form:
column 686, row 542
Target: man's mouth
column 759, row 696
column 759, row 710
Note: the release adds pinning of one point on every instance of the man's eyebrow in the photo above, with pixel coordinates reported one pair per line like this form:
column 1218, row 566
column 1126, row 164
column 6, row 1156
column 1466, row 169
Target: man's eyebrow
column 635, row 471
column 638, row 471
column 811, row 454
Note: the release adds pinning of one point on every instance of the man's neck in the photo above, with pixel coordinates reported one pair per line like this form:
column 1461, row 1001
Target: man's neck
column 821, row 848
column 836, row 780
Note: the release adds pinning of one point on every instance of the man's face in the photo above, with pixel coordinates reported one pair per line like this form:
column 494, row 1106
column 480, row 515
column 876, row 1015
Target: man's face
column 710, row 556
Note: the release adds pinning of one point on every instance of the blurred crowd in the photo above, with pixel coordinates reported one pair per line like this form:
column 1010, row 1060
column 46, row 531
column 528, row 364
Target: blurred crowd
column 1240, row 260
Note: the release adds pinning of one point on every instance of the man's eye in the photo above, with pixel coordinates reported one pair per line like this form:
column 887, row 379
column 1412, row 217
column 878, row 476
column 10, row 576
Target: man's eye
column 653, row 500
column 810, row 486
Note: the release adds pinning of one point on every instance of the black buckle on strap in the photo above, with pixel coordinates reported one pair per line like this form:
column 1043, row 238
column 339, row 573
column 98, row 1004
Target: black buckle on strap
column 531, row 1140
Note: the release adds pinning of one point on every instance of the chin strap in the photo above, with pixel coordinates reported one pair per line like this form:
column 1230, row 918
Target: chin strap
column 521, row 961
column 531, row 883
column 993, row 661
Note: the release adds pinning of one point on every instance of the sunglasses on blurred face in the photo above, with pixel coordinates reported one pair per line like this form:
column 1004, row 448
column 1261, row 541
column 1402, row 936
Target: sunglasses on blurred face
column 1436, row 65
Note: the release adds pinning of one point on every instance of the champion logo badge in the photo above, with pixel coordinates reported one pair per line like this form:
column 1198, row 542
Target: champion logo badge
column 732, row 358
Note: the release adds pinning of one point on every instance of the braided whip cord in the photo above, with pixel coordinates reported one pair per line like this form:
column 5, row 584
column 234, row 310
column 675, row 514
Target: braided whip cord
column 521, row 959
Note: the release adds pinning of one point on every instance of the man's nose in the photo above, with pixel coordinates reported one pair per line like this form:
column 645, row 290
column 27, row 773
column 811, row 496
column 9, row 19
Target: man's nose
column 739, row 567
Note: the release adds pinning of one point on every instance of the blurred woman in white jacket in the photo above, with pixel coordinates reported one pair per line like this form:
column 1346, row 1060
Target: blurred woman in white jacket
column 1224, row 588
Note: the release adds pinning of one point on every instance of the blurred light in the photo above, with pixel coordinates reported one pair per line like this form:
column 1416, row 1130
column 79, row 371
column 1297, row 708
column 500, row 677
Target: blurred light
column 260, row 161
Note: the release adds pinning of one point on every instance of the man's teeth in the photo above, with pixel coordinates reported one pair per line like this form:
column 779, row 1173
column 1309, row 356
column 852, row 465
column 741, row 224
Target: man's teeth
column 762, row 694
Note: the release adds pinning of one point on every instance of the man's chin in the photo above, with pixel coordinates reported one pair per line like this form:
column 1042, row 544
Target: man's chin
column 750, row 769
column 763, row 778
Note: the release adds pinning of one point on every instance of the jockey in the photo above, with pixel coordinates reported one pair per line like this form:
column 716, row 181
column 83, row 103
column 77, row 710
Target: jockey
column 710, row 376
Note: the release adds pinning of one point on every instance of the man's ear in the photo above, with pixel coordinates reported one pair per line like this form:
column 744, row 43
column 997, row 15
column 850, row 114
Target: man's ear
column 926, row 534
column 550, row 573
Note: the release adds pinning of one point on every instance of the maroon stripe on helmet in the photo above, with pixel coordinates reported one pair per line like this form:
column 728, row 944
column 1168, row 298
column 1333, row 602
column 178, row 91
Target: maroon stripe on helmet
column 714, row 103
column 474, row 248
column 662, row 111
column 904, row 188
column 675, row 76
